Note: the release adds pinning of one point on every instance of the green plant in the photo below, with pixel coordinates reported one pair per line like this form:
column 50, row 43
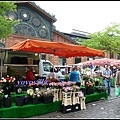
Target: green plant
column 1, row 93
column 47, row 93
column 85, row 77
column 66, row 77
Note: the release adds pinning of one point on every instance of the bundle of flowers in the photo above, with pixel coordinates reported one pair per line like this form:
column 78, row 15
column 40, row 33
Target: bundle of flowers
column 30, row 92
column 33, row 84
column 76, row 88
column 38, row 94
column 67, row 89
column 1, row 92
column 47, row 92
column 80, row 94
column 89, row 84
column 8, row 79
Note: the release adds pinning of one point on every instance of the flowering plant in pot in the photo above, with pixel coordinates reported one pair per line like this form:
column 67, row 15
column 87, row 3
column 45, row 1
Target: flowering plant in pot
column 89, row 87
column 47, row 96
column 76, row 88
column 67, row 89
column 96, row 81
column 1, row 96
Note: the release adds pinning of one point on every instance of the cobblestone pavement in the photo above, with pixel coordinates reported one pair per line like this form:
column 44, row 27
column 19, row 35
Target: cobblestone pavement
column 99, row 109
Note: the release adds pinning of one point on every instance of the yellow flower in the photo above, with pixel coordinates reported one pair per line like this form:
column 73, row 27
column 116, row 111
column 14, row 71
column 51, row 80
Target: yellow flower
column 30, row 91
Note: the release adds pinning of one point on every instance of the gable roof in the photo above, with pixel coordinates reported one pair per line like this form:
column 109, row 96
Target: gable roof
column 37, row 9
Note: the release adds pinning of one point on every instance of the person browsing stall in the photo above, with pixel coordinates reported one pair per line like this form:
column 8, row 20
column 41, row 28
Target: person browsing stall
column 74, row 75
column 107, row 74
column 29, row 74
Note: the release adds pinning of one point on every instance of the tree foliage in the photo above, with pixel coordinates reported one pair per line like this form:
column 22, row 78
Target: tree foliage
column 5, row 23
column 107, row 40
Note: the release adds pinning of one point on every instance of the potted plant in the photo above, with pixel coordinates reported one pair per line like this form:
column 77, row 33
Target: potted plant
column 99, row 89
column 96, row 81
column 66, row 77
column 1, row 96
column 104, row 89
column 89, row 88
column 47, row 96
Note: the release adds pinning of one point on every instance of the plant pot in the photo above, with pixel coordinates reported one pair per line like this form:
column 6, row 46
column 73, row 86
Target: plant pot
column 83, row 90
column 92, row 90
column 47, row 99
column 0, row 102
column 35, row 100
column 96, row 83
column 88, row 91
column 99, row 91
column 26, row 100
column 19, row 100
column 7, row 102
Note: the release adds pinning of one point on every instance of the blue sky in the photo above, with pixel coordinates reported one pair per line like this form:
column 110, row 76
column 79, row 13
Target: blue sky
column 87, row 16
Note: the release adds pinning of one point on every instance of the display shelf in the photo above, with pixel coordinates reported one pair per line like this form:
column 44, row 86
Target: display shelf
column 20, row 65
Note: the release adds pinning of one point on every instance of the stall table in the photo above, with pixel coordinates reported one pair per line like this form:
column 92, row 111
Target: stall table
column 39, row 109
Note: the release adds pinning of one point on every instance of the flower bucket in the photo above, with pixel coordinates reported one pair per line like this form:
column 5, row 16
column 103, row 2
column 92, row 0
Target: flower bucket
column 47, row 99
column 88, row 90
column 0, row 102
column 35, row 100
column 26, row 100
column 19, row 100
column 7, row 102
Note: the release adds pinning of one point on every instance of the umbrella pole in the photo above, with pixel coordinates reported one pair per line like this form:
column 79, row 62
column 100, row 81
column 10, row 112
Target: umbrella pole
column 39, row 64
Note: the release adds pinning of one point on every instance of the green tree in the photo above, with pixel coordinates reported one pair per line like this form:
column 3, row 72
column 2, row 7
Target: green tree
column 5, row 23
column 107, row 40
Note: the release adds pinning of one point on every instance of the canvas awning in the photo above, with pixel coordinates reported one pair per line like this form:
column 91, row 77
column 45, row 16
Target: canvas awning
column 56, row 48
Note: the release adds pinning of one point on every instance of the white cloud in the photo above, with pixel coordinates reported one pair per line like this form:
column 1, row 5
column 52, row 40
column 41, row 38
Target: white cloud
column 88, row 16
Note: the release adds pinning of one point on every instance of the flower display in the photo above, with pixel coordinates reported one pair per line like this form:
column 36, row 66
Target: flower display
column 76, row 88
column 47, row 92
column 89, row 84
column 80, row 94
column 1, row 93
column 30, row 92
column 67, row 89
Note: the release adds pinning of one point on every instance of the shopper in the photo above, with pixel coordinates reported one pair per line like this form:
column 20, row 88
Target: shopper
column 117, row 81
column 107, row 74
column 74, row 76
column 29, row 75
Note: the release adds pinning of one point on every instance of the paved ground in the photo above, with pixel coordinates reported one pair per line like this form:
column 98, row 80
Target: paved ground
column 99, row 109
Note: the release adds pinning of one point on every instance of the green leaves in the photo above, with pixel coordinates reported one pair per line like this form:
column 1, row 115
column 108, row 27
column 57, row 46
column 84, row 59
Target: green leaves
column 5, row 24
column 107, row 40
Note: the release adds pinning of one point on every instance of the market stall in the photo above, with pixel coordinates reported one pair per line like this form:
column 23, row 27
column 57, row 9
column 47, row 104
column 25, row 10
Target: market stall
column 13, row 110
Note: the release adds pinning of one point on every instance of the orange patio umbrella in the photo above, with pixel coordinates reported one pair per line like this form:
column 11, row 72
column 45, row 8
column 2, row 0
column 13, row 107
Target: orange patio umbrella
column 56, row 48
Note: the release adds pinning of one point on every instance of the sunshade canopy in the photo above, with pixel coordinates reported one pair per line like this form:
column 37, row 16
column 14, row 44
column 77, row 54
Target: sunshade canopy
column 116, row 63
column 56, row 48
column 100, row 62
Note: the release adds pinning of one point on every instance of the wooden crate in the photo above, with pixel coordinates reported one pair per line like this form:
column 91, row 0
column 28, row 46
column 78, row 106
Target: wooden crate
column 75, row 98
column 30, row 61
column 67, row 98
